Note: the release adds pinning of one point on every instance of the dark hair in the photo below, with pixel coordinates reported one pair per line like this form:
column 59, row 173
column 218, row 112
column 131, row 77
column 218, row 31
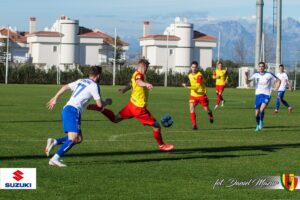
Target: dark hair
column 194, row 63
column 281, row 65
column 262, row 63
column 144, row 61
column 95, row 70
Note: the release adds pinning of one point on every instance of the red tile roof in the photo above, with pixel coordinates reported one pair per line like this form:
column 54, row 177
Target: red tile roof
column 13, row 36
column 91, row 34
column 160, row 37
column 203, row 37
column 106, row 38
column 48, row 33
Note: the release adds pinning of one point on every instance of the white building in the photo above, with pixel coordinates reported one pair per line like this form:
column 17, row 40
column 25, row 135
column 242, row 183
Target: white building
column 67, row 44
column 178, row 47
column 18, row 46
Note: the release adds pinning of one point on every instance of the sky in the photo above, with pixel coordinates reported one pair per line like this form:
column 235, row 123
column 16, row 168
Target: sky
column 128, row 15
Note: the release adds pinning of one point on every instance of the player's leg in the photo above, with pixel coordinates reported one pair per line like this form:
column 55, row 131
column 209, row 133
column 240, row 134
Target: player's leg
column 221, row 94
column 65, row 147
column 262, row 114
column 278, row 100
column 51, row 142
column 156, row 130
column 284, row 102
column 205, row 104
column 257, row 118
column 218, row 100
column 258, row 102
column 145, row 117
column 71, row 119
column 106, row 112
column 193, row 104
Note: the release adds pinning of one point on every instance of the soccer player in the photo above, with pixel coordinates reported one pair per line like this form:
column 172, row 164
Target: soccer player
column 83, row 91
column 137, row 106
column 221, row 77
column 198, row 94
column 263, row 81
column 280, row 94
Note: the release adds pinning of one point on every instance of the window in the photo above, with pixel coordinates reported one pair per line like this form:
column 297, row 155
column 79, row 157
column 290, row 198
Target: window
column 54, row 48
column 171, row 52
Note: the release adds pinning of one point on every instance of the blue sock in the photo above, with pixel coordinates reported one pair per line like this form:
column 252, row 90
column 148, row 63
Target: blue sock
column 261, row 115
column 277, row 103
column 257, row 120
column 65, row 147
column 61, row 140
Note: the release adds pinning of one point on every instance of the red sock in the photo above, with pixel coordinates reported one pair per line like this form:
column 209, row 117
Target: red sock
column 193, row 118
column 109, row 114
column 219, row 99
column 157, row 136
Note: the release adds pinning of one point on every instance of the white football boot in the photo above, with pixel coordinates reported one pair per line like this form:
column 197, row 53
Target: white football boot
column 56, row 162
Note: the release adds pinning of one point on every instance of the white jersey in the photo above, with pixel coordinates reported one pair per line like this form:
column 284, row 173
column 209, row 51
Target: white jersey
column 284, row 79
column 263, row 82
column 83, row 91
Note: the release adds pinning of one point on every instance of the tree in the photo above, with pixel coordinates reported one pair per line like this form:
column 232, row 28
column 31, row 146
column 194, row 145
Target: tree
column 119, row 52
column 269, row 48
column 240, row 51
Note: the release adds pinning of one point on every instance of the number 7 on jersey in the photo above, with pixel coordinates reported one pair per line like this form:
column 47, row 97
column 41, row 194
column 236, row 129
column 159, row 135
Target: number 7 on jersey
column 79, row 89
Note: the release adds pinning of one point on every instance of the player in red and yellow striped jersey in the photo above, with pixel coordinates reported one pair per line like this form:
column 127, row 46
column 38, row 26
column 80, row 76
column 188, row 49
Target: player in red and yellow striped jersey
column 198, row 94
column 221, row 77
column 137, row 106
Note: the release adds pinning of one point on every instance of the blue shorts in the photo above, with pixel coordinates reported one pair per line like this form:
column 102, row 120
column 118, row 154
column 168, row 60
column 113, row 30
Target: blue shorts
column 71, row 119
column 260, row 99
column 280, row 94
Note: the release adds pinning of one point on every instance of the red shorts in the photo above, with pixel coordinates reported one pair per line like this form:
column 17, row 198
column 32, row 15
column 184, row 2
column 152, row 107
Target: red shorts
column 141, row 114
column 220, row 88
column 203, row 100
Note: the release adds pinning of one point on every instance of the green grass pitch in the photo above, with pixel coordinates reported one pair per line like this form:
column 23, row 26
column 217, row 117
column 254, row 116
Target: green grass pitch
column 121, row 161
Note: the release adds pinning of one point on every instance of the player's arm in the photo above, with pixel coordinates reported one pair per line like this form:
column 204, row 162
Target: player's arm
column 141, row 83
column 277, row 84
column 214, row 75
column 125, row 88
column 53, row 100
column 226, row 77
column 195, row 86
column 247, row 80
column 290, row 85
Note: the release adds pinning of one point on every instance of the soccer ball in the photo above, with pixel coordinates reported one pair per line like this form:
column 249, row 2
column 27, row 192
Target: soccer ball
column 167, row 120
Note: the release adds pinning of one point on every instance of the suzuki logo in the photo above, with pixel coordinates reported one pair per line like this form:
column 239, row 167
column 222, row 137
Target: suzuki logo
column 18, row 175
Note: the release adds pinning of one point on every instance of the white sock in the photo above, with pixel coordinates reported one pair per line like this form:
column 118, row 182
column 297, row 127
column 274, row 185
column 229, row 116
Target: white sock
column 55, row 157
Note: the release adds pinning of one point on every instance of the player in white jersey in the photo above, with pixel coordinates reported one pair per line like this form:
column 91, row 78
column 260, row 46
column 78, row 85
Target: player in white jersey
column 83, row 91
column 263, row 82
column 280, row 94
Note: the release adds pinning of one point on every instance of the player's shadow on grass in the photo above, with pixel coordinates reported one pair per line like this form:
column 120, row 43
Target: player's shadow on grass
column 47, row 121
column 162, row 159
column 265, row 148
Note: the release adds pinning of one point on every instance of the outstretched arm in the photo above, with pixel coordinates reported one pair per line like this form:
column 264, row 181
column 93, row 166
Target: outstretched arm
column 125, row 88
column 53, row 100
column 144, row 84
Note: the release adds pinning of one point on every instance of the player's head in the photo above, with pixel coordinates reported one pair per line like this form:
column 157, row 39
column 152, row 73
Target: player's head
column 95, row 73
column 220, row 65
column 143, row 65
column 281, row 68
column 261, row 67
column 194, row 66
